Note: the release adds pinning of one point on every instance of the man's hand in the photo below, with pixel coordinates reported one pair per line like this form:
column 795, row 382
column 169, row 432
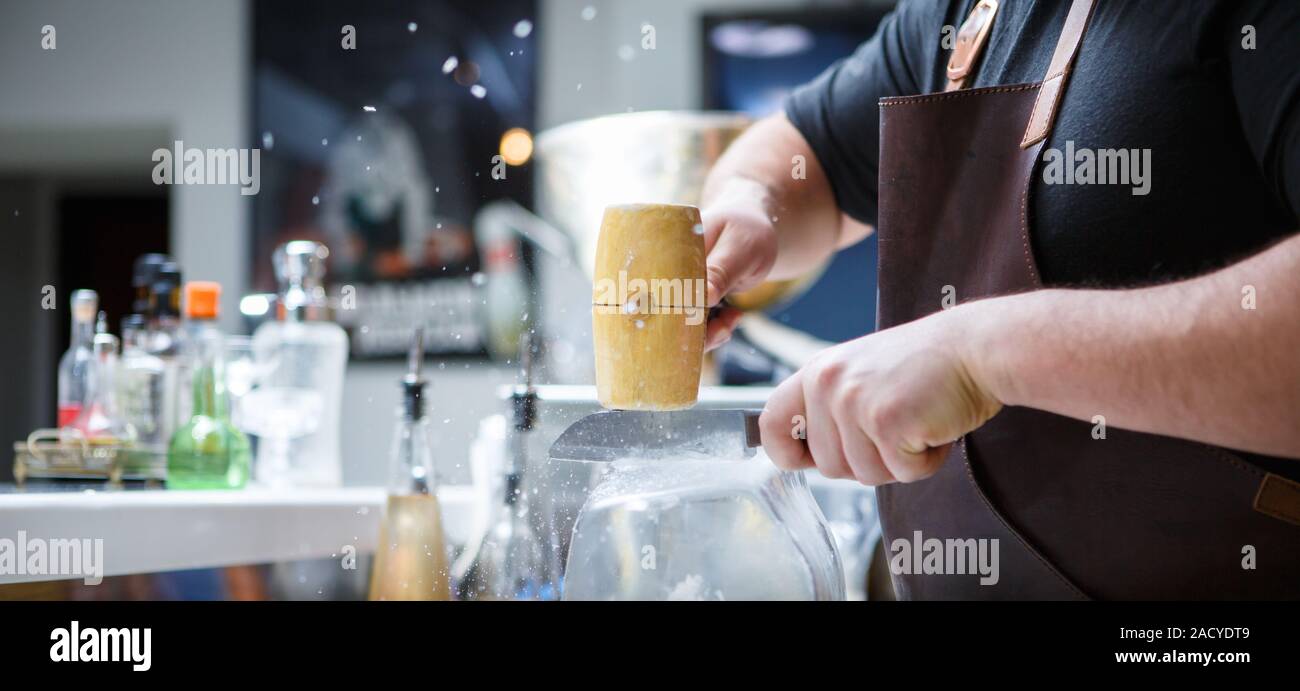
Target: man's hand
column 741, row 243
column 769, row 213
column 883, row 408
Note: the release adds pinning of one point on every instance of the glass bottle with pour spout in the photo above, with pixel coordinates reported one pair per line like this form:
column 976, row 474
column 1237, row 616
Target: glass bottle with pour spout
column 301, row 358
column 410, row 558
column 508, row 561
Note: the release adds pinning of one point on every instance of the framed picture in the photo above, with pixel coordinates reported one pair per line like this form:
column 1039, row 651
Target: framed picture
column 384, row 127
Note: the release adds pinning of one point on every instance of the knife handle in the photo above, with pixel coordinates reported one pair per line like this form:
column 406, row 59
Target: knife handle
column 752, row 437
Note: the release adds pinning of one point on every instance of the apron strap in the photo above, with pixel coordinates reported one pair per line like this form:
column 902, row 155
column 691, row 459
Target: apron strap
column 1053, row 86
column 1280, row 498
column 971, row 38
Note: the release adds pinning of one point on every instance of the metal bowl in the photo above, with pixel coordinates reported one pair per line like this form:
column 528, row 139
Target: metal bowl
column 651, row 157
column 654, row 157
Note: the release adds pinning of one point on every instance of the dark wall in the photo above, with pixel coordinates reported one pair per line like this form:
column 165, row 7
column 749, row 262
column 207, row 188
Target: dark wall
column 27, row 348
column 99, row 237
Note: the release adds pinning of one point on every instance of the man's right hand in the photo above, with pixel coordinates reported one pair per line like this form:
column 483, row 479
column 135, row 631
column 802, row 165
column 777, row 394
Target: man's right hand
column 769, row 213
column 741, row 243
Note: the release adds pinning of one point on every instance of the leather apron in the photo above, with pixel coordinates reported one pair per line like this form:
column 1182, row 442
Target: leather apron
column 1130, row 516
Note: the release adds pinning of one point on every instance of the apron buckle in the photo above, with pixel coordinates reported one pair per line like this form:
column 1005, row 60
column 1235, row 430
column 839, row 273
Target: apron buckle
column 971, row 38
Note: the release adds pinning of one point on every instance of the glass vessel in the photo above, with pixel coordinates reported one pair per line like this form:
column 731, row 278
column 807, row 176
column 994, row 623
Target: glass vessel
column 300, row 360
column 702, row 529
column 241, row 377
column 143, row 273
column 77, row 362
column 164, row 340
column 208, row 451
column 508, row 561
column 163, row 315
column 101, row 419
column 411, row 558
column 145, row 393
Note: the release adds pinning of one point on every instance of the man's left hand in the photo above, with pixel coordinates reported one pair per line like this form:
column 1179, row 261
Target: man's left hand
column 885, row 407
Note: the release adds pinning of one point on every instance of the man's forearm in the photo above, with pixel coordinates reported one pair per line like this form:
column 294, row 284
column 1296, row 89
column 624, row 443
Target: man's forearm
column 773, row 167
column 1215, row 359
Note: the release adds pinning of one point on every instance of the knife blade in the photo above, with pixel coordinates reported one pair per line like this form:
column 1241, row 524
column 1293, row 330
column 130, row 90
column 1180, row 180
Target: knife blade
column 617, row 434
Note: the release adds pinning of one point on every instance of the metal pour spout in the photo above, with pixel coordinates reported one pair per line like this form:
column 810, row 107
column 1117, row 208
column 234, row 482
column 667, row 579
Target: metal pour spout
column 413, row 383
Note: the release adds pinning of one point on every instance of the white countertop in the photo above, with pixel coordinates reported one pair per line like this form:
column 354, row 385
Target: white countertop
column 147, row 531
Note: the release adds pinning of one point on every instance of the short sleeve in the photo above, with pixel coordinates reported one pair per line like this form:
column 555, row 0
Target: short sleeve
column 838, row 112
column 1263, row 49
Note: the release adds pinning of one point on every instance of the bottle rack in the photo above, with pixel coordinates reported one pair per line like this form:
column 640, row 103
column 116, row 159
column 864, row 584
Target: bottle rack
column 66, row 454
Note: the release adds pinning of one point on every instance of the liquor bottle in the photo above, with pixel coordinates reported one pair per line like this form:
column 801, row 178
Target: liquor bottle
column 101, row 420
column 207, row 452
column 145, row 392
column 164, row 339
column 146, row 382
column 301, row 358
column 76, row 364
column 143, row 273
column 163, row 312
column 508, row 561
column 411, row 559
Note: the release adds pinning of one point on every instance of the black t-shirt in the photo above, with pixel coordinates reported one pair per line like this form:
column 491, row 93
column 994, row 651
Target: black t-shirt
column 1221, row 121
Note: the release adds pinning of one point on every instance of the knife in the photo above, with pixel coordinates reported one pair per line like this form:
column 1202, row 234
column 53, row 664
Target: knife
column 617, row 434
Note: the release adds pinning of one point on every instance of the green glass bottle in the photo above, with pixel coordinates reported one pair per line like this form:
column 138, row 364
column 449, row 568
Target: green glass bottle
column 208, row 451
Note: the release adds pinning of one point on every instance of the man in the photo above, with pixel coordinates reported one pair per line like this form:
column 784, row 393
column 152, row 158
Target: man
column 1121, row 359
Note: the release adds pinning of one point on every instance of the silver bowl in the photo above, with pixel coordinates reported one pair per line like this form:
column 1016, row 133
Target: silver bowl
column 651, row 157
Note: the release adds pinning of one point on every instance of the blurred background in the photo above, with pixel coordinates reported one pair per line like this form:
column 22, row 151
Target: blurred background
column 448, row 80
column 454, row 158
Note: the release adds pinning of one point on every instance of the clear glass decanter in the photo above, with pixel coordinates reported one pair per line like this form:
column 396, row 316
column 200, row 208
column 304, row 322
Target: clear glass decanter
column 301, row 357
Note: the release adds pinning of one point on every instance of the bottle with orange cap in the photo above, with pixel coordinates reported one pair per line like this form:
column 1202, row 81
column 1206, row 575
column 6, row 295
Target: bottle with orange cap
column 208, row 451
